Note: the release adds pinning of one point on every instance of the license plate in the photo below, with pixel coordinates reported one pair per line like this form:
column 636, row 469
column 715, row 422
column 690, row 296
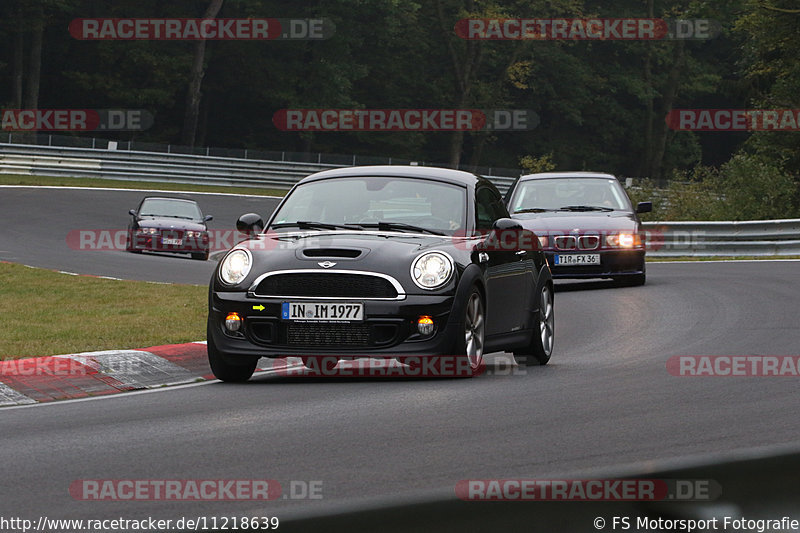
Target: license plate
column 577, row 259
column 174, row 242
column 322, row 311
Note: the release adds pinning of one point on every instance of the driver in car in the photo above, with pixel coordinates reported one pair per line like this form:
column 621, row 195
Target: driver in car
column 444, row 212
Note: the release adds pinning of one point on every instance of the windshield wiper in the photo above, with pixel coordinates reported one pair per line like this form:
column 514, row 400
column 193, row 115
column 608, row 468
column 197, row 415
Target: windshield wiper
column 308, row 224
column 167, row 216
column 386, row 226
column 533, row 210
column 585, row 208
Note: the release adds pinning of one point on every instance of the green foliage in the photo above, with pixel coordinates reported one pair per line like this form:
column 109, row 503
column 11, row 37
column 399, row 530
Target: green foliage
column 601, row 104
column 745, row 188
column 532, row 165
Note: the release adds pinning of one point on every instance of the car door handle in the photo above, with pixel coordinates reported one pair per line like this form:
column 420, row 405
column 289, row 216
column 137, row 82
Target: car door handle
column 521, row 252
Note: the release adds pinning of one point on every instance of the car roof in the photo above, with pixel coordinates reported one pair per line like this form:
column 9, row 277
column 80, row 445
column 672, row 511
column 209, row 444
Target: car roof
column 449, row 175
column 568, row 174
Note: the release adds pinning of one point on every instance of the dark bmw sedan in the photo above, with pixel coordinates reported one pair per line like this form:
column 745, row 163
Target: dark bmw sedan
column 162, row 224
column 383, row 262
column 585, row 223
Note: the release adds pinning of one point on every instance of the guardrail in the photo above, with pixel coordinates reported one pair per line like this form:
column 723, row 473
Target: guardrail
column 665, row 239
column 134, row 165
column 723, row 239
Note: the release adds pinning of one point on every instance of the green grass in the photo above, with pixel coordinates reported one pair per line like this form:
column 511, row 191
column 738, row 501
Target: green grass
column 732, row 258
column 19, row 179
column 47, row 313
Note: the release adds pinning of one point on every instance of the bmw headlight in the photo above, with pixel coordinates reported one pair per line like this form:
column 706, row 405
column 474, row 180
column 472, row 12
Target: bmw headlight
column 235, row 266
column 431, row 270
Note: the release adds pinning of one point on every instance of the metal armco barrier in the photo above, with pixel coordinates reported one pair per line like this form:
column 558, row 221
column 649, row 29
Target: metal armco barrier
column 665, row 239
column 721, row 239
column 40, row 160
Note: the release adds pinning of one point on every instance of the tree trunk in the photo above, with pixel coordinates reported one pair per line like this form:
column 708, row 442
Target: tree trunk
column 464, row 73
column 195, row 82
column 31, row 100
column 18, row 65
column 644, row 165
column 670, row 94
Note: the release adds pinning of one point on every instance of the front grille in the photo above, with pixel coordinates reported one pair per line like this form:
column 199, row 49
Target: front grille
column 171, row 233
column 322, row 285
column 588, row 242
column 565, row 242
column 317, row 334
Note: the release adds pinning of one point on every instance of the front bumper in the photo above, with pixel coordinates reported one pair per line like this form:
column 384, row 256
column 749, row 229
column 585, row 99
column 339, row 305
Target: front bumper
column 613, row 263
column 389, row 328
column 155, row 243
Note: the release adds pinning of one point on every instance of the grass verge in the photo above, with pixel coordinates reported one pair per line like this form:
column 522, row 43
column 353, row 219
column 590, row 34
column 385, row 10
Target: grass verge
column 19, row 179
column 47, row 313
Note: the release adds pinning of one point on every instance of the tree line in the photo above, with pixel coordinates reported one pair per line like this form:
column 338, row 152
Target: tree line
column 601, row 104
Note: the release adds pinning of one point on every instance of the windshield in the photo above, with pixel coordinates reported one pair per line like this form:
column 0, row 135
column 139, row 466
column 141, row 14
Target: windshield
column 369, row 201
column 560, row 193
column 164, row 207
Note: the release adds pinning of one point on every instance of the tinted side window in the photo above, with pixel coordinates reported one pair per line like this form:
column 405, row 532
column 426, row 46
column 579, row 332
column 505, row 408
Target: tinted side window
column 488, row 208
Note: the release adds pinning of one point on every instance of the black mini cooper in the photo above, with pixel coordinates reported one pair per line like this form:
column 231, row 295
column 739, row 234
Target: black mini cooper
column 382, row 262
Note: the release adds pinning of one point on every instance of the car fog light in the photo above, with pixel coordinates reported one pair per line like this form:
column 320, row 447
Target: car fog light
column 425, row 325
column 233, row 322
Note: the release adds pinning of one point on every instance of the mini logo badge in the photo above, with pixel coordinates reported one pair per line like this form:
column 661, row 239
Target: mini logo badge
column 326, row 264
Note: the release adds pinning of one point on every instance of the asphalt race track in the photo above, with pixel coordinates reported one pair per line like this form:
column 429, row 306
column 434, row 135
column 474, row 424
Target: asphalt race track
column 605, row 400
column 36, row 222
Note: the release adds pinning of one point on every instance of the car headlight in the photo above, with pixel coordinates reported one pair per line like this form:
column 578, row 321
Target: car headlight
column 235, row 267
column 431, row 270
column 148, row 231
column 623, row 240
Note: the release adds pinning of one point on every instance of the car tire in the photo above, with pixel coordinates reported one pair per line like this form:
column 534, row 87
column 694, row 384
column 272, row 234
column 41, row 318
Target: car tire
column 226, row 371
column 471, row 343
column 129, row 245
column 540, row 349
column 200, row 256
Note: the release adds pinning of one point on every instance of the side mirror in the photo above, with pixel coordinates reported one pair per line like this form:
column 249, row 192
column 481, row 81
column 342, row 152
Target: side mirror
column 207, row 218
column 503, row 224
column 132, row 212
column 644, row 207
column 250, row 223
